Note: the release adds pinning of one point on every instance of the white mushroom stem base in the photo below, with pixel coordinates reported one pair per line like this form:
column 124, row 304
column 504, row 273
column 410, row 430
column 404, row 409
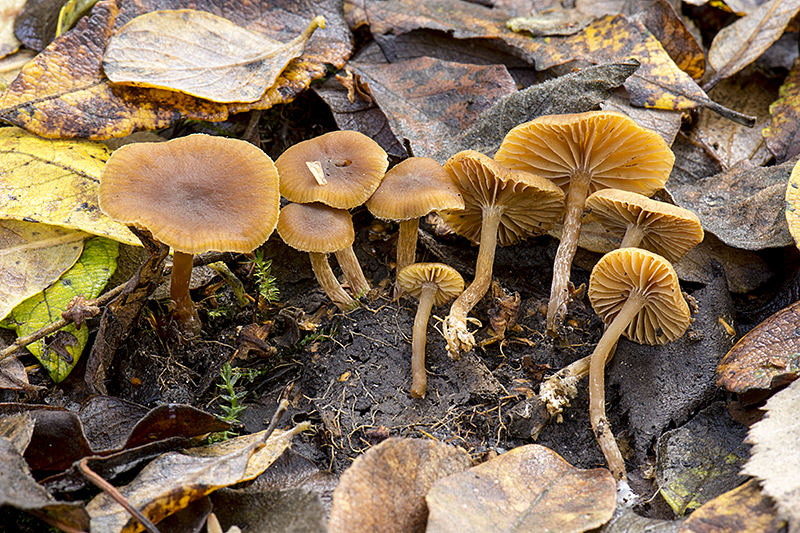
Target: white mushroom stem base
column 419, row 378
column 597, row 397
column 329, row 283
column 184, row 312
column 351, row 269
column 459, row 339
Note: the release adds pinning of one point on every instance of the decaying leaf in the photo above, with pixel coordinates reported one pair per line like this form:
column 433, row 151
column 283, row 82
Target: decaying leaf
column 700, row 460
column 71, row 13
column 741, row 43
column 396, row 474
column 556, row 21
column 62, row 93
column 744, row 510
column 8, row 41
column 13, row 375
column 55, row 182
column 32, row 256
column 276, row 511
column 59, row 352
column 767, row 357
column 199, row 54
column 36, row 25
column 782, row 135
column 793, row 203
column 527, row 489
column 775, row 458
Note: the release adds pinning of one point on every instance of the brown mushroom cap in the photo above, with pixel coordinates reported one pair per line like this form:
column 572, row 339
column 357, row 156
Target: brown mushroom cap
column 412, row 189
column 195, row 193
column 448, row 281
column 351, row 164
column 531, row 205
column 666, row 229
column 316, row 228
column 665, row 315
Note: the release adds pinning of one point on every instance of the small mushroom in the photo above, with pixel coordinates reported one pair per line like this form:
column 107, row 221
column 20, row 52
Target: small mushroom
column 410, row 190
column 195, row 194
column 636, row 293
column 501, row 206
column 340, row 169
column 583, row 153
column 642, row 222
column 433, row 284
column 319, row 230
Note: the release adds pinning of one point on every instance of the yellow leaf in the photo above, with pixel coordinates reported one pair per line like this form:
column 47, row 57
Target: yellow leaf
column 199, row 54
column 55, row 182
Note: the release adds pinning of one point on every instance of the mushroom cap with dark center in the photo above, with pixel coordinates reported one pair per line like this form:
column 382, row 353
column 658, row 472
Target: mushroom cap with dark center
column 448, row 281
column 531, row 204
column 665, row 315
column 316, row 228
column 351, row 163
column 617, row 152
column 195, row 193
column 666, row 229
column 412, row 189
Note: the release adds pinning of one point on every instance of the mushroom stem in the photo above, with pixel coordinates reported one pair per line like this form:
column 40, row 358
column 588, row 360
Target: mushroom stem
column 351, row 269
column 184, row 311
column 562, row 265
column 407, row 243
column 329, row 283
column 419, row 381
column 459, row 339
column 597, row 399
column 633, row 236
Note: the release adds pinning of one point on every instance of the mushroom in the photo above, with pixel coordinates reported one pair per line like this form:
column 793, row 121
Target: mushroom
column 410, row 190
column 195, row 194
column 433, row 284
column 640, row 221
column 583, row 153
column 340, row 169
column 636, row 293
column 501, row 206
column 319, row 230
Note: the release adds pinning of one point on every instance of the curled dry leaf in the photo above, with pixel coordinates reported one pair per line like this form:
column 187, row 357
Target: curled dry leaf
column 527, row 489
column 783, row 131
column 200, row 54
column 384, row 490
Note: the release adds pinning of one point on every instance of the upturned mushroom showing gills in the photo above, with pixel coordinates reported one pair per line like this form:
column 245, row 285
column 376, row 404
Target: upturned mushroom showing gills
column 583, row 153
column 319, row 230
column 433, row 284
column 637, row 294
column 410, row 190
column 195, row 194
column 501, row 206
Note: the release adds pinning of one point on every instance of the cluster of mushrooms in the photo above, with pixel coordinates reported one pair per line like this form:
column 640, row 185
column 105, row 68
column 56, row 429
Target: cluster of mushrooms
column 201, row 193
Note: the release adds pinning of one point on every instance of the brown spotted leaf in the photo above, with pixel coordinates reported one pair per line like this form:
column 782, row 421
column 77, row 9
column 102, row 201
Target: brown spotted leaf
column 527, row 489
column 767, row 357
column 744, row 510
column 782, row 135
column 384, row 489
column 62, row 93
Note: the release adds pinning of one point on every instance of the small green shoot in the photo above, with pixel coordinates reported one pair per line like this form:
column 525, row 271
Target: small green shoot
column 234, row 408
column 265, row 281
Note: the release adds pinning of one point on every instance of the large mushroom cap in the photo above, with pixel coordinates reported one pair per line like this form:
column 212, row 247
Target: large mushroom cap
column 531, row 204
column 194, row 193
column 316, row 228
column 666, row 229
column 665, row 315
column 349, row 167
column 448, row 281
column 617, row 152
column 412, row 189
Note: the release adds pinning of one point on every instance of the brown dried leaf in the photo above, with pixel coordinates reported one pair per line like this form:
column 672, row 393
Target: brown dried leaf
column 782, row 135
column 744, row 510
column 741, row 43
column 384, row 490
column 767, row 357
column 527, row 489
column 13, row 375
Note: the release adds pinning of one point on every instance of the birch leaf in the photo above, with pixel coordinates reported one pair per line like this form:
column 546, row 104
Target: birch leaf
column 199, row 54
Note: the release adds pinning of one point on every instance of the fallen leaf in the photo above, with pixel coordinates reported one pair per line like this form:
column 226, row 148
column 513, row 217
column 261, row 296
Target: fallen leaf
column 64, row 94
column 384, row 489
column 742, row 42
column 71, row 13
column 276, row 511
column 18, row 429
column 59, row 353
column 628, row 521
column 556, row 21
column 36, row 25
column 32, row 256
column 527, row 489
column 11, row 65
column 744, row 510
column 13, row 375
column 782, row 135
column 775, row 457
column 199, row 54
column 8, row 41
column 700, row 460
column 55, row 182
column 767, row 357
